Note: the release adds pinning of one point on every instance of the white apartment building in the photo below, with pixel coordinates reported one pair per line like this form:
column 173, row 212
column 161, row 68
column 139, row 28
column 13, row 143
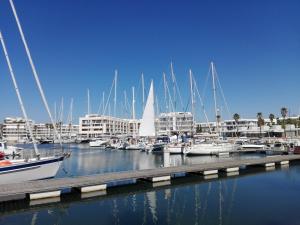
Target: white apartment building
column 14, row 129
column 249, row 128
column 46, row 131
column 94, row 125
column 179, row 122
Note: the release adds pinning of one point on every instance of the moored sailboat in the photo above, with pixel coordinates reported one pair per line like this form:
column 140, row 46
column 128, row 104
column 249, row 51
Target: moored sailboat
column 27, row 168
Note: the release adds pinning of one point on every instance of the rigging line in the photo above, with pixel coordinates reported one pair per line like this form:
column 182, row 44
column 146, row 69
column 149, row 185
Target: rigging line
column 206, row 83
column 107, row 102
column 202, row 104
column 34, row 71
column 170, row 97
column 222, row 93
column 100, row 106
column 176, row 87
column 19, row 95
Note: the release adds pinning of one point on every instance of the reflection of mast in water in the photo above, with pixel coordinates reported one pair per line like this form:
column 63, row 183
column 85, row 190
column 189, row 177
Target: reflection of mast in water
column 168, row 195
column 220, row 203
column 115, row 212
column 134, row 203
column 145, row 209
column 34, row 218
column 197, row 204
column 206, row 201
column 152, row 204
column 232, row 198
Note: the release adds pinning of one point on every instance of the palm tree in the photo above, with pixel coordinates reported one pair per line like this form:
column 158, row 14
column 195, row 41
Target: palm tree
column 284, row 113
column 218, row 122
column 260, row 121
column 236, row 118
column 271, row 117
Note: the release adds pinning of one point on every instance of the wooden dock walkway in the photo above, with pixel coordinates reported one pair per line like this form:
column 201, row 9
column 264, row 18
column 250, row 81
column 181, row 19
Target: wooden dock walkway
column 21, row 190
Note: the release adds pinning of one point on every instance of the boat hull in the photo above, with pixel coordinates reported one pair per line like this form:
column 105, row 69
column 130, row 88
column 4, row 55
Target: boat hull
column 175, row 149
column 33, row 170
column 208, row 149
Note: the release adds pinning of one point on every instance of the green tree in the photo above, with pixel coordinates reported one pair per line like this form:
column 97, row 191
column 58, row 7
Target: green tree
column 236, row 118
column 198, row 129
column 271, row 117
column 284, row 113
column 260, row 121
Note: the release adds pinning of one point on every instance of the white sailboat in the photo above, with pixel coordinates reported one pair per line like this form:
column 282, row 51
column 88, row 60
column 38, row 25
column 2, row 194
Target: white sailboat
column 211, row 147
column 27, row 168
column 147, row 127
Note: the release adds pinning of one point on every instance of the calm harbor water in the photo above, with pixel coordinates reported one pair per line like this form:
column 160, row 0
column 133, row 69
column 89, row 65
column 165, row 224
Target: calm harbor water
column 254, row 197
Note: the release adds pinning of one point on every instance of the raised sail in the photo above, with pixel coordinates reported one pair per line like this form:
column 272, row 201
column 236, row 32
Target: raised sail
column 147, row 127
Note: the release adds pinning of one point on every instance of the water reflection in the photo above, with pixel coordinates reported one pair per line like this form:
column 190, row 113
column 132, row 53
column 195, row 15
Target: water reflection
column 254, row 198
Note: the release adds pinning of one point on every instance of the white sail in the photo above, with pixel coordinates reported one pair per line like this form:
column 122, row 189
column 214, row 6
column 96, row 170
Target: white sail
column 147, row 127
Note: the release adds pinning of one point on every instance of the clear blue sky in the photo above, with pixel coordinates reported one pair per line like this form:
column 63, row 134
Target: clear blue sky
column 77, row 44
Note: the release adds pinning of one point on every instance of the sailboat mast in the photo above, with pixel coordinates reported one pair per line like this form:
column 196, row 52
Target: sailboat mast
column 174, row 85
column 215, row 95
column 165, row 89
column 19, row 95
column 55, row 113
column 143, row 90
column 192, row 93
column 103, row 102
column 88, row 102
column 36, row 77
column 115, row 99
column 133, row 103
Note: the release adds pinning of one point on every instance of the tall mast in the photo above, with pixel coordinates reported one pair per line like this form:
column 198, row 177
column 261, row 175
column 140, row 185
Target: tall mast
column 19, row 95
column 88, row 102
column 55, row 113
column 133, row 103
column 143, row 90
column 115, row 99
column 165, row 89
column 125, row 104
column 157, row 109
column 192, row 94
column 61, row 116
column 215, row 95
column 103, row 102
column 174, row 85
column 36, row 77
column 70, row 117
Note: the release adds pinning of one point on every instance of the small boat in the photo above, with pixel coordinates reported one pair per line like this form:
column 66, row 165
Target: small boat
column 9, row 150
column 175, row 148
column 99, row 143
column 213, row 148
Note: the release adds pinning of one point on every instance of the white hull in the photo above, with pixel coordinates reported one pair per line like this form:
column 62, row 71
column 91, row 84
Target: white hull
column 98, row 143
column 252, row 146
column 175, row 149
column 33, row 170
column 209, row 149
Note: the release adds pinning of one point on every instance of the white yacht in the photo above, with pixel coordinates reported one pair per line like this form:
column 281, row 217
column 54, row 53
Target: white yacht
column 213, row 148
column 99, row 143
column 31, row 167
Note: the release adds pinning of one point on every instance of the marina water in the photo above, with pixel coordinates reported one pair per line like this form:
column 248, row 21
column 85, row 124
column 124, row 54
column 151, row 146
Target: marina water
column 253, row 197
